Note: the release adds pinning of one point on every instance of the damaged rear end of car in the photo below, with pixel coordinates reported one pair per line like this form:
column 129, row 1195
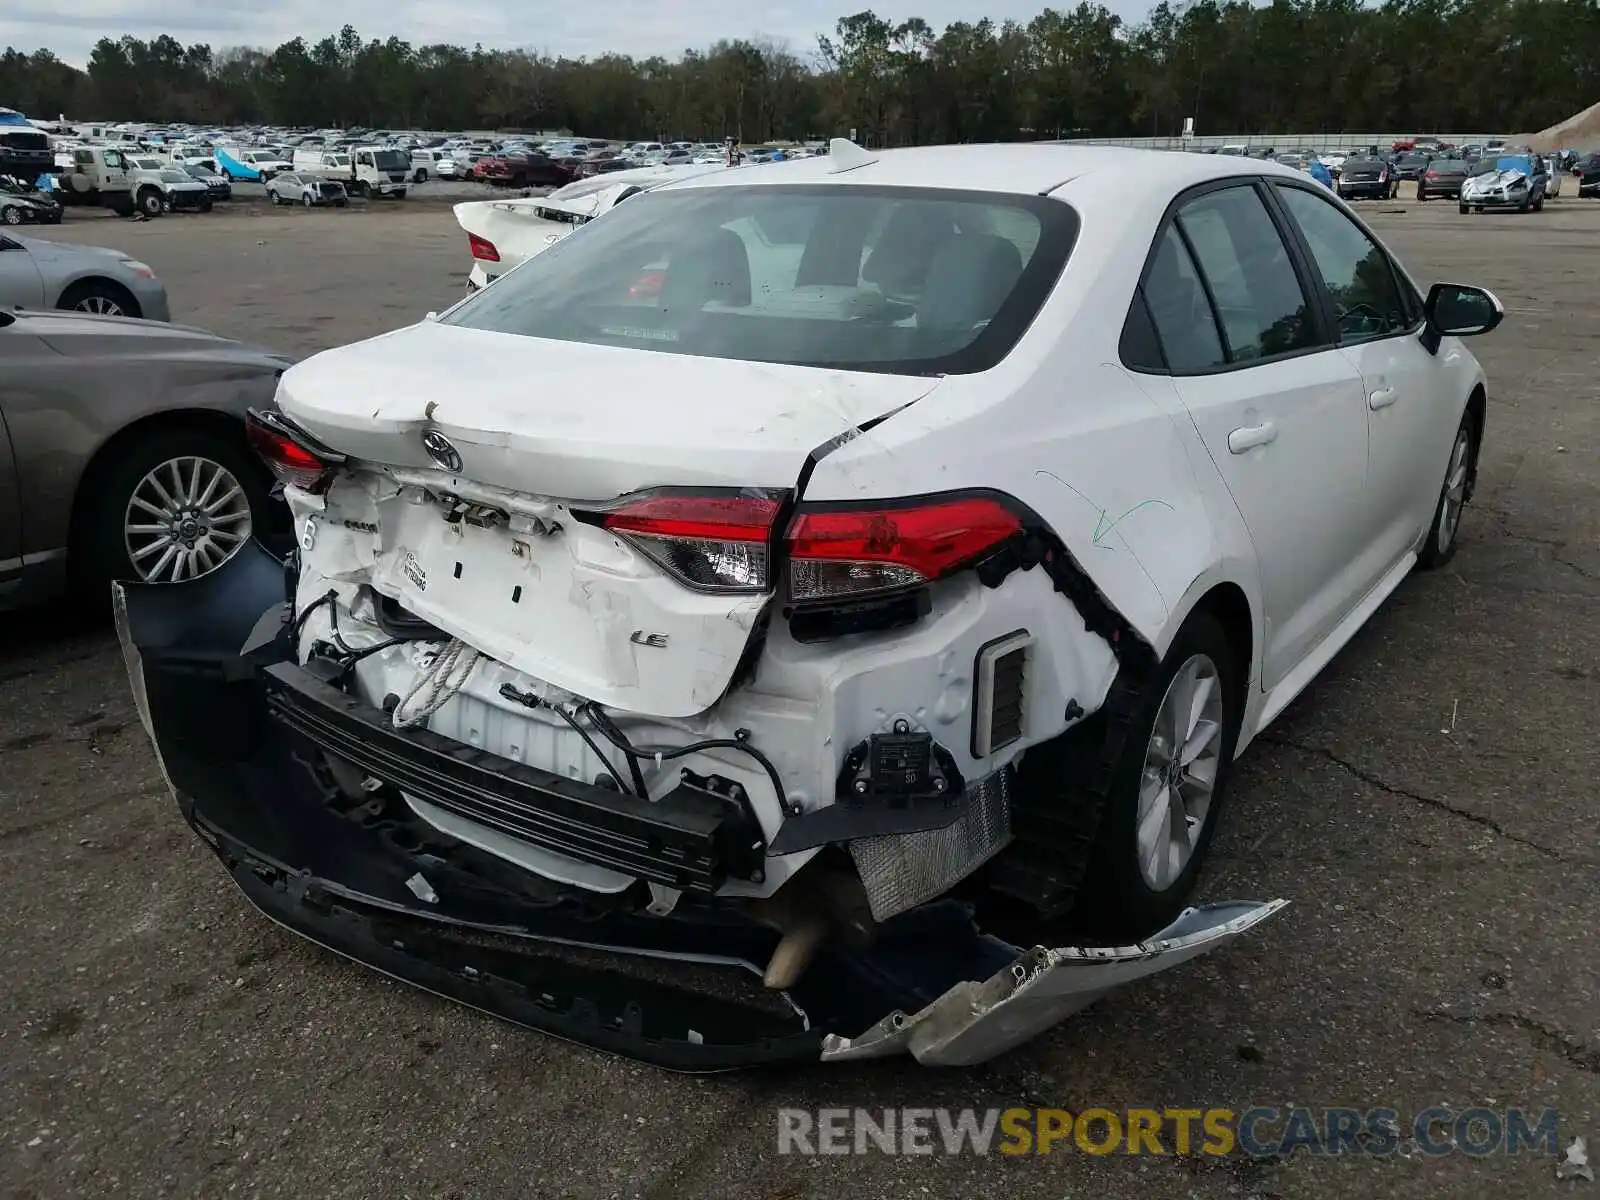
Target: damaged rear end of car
column 575, row 707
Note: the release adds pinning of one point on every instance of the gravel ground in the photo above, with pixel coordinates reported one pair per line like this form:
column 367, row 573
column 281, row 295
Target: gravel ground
column 1427, row 805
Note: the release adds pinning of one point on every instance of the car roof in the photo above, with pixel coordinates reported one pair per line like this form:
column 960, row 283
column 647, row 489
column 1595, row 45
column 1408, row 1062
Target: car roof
column 1033, row 168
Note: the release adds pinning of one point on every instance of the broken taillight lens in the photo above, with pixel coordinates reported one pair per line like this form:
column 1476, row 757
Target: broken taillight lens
column 839, row 554
column 288, row 453
column 482, row 248
column 712, row 543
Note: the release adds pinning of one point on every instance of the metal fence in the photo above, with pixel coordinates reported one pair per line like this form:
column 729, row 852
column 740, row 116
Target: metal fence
column 1320, row 142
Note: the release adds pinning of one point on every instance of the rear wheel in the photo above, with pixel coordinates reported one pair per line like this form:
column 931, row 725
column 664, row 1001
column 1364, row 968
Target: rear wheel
column 175, row 504
column 151, row 203
column 1422, row 195
column 1538, row 205
column 101, row 297
column 1168, row 786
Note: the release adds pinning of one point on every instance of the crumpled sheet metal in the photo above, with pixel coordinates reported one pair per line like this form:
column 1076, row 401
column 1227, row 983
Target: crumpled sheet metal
column 974, row 1022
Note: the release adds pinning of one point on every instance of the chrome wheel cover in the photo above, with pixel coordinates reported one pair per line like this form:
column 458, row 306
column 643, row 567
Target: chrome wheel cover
column 105, row 306
column 1455, row 492
column 185, row 519
column 1180, row 772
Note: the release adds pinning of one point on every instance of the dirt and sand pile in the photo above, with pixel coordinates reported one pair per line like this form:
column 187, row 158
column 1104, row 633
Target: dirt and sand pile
column 1581, row 131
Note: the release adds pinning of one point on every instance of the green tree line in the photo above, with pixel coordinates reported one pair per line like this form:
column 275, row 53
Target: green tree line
column 1304, row 65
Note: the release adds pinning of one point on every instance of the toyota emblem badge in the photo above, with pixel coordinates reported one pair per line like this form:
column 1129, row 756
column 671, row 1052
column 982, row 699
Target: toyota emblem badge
column 441, row 451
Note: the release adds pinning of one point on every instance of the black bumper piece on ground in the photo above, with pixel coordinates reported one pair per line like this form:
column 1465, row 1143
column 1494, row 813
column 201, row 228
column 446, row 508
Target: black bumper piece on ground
column 680, row 991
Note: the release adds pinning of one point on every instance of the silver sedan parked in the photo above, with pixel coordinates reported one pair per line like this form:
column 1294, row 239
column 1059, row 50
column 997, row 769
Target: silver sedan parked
column 40, row 274
column 123, row 452
column 313, row 191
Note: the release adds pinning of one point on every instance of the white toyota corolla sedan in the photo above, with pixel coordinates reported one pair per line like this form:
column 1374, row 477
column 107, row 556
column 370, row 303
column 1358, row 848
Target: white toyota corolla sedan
column 846, row 569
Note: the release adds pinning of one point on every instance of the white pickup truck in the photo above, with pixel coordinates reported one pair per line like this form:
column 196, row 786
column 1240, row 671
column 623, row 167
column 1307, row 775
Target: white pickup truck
column 503, row 233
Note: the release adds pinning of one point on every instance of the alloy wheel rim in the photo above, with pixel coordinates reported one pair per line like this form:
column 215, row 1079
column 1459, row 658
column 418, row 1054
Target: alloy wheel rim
column 185, row 519
column 1179, row 776
column 104, row 306
column 1455, row 493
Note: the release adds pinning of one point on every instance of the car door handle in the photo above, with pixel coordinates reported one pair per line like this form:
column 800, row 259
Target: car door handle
column 1382, row 398
column 1252, row 436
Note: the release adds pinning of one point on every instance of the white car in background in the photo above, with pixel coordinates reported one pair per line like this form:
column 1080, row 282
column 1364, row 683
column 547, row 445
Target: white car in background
column 502, row 233
column 904, row 567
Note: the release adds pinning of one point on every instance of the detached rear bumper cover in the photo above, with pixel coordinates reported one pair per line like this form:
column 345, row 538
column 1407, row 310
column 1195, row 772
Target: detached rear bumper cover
column 418, row 906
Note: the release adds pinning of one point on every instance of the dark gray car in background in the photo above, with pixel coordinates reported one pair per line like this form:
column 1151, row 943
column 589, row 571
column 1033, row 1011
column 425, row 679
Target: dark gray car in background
column 123, row 452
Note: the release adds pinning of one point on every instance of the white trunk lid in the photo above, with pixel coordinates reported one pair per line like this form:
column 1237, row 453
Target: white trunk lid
column 580, row 422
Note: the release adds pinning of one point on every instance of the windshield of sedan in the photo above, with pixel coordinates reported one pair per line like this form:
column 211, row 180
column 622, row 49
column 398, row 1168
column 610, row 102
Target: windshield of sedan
column 174, row 176
column 906, row 281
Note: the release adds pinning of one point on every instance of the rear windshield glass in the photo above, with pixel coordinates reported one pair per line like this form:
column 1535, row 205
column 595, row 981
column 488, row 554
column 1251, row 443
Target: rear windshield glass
column 906, row 281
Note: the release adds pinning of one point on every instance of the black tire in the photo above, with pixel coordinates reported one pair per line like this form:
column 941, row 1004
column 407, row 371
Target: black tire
column 1115, row 899
column 205, row 205
column 341, row 204
column 399, row 195
column 1462, row 208
column 1442, row 540
column 1538, row 205
column 99, row 549
column 1422, row 195
column 421, row 176
column 306, row 200
column 151, row 203
column 79, row 297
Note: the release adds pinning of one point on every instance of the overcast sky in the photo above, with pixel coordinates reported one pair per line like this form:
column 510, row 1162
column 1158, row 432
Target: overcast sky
column 638, row 27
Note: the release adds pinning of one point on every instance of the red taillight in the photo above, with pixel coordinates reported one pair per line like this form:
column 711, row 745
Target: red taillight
column 712, row 543
column 841, row 554
column 1433, row 174
column 288, row 458
column 483, row 248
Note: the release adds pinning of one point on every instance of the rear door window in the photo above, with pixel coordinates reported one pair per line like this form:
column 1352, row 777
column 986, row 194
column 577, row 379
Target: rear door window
column 1263, row 310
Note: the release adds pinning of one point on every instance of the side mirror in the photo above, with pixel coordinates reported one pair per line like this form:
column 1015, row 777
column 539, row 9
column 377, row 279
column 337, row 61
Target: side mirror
column 1462, row 310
